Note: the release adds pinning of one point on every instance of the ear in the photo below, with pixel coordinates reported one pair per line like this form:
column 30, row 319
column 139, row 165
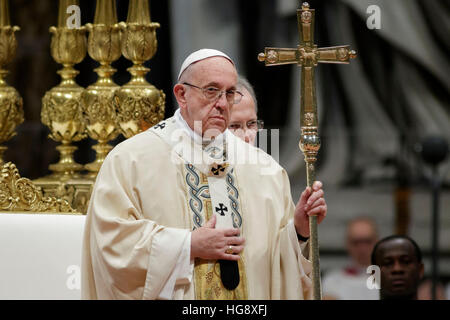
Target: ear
column 180, row 91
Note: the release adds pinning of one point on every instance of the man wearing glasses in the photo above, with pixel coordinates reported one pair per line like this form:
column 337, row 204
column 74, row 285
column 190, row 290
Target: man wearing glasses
column 178, row 211
column 244, row 123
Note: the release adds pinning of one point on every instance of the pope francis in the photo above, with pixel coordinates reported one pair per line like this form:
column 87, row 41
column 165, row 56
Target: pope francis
column 185, row 210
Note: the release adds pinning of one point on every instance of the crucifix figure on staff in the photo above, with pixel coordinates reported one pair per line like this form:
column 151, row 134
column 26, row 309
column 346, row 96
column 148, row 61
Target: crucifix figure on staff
column 307, row 55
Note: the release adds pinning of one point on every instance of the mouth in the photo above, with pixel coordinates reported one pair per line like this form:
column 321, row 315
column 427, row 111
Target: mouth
column 398, row 283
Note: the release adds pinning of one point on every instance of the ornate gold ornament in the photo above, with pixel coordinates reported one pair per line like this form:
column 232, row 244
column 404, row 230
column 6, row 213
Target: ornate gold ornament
column 20, row 194
column 11, row 105
column 309, row 118
column 62, row 113
column 307, row 56
column 76, row 191
column 61, row 108
column 98, row 99
column 139, row 104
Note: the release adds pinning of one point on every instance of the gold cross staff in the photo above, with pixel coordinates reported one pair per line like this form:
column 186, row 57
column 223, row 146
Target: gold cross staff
column 308, row 56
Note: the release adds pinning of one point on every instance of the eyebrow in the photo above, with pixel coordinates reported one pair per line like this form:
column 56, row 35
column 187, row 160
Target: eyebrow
column 215, row 84
column 392, row 256
column 242, row 121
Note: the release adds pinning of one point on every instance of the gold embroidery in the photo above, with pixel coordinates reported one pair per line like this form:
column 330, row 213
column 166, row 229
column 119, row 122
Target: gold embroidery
column 208, row 285
column 208, row 208
column 204, row 179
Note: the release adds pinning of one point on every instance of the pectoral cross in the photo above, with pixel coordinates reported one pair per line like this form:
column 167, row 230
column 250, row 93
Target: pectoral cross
column 221, row 209
column 216, row 170
column 308, row 56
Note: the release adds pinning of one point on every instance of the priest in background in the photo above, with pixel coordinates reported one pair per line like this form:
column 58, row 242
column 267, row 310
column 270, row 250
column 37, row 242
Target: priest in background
column 350, row 282
column 184, row 211
column 244, row 121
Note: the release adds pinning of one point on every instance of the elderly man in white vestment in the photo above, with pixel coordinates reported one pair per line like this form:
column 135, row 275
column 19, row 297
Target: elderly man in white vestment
column 186, row 210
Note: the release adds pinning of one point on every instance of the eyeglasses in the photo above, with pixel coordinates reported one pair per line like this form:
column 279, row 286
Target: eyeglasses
column 251, row 125
column 214, row 94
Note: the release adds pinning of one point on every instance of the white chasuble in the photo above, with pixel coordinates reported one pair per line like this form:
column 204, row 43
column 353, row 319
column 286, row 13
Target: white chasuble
column 156, row 187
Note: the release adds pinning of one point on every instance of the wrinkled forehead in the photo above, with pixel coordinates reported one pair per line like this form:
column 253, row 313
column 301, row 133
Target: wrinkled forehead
column 243, row 113
column 212, row 69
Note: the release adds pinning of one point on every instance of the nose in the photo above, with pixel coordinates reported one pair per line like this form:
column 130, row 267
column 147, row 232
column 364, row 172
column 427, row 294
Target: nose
column 397, row 268
column 222, row 101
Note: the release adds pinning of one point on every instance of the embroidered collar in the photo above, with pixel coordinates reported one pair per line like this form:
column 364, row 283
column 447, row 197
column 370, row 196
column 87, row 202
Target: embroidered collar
column 211, row 159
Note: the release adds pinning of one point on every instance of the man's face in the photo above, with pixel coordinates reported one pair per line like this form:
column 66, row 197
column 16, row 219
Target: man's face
column 361, row 238
column 400, row 269
column 241, row 114
column 214, row 116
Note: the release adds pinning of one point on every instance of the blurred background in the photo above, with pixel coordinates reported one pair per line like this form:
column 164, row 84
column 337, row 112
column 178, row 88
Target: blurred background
column 375, row 113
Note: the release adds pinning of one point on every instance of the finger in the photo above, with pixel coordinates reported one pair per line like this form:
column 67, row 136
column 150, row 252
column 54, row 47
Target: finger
column 231, row 232
column 316, row 195
column 237, row 249
column 317, row 185
column 226, row 256
column 304, row 196
column 307, row 191
column 235, row 241
column 318, row 202
column 211, row 223
column 318, row 211
column 321, row 217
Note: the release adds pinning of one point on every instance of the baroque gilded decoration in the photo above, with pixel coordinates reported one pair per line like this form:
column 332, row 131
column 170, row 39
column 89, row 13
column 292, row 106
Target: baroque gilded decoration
column 72, row 113
column 62, row 113
column 76, row 191
column 11, row 105
column 61, row 109
column 20, row 194
column 98, row 99
column 139, row 104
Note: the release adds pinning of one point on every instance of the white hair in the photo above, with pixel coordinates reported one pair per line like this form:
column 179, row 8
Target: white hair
column 243, row 83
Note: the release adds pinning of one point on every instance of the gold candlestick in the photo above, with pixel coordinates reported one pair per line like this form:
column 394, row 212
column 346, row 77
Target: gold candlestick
column 98, row 98
column 139, row 104
column 62, row 113
column 11, row 105
column 61, row 108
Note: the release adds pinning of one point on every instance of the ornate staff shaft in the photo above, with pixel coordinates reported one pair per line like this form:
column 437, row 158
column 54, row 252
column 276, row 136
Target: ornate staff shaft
column 307, row 56
column 309, row 141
